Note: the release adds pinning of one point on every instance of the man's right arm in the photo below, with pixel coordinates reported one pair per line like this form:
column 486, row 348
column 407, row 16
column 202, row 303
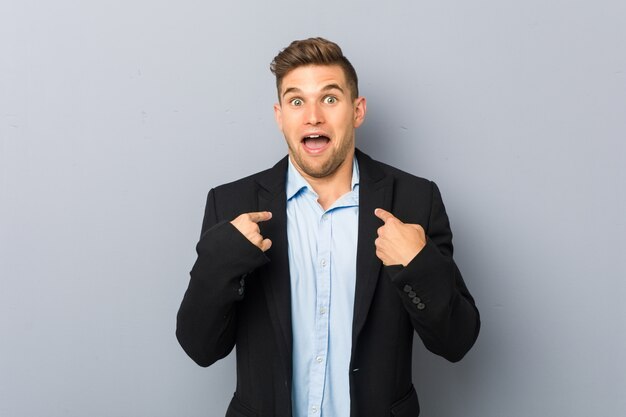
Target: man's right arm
column 227, row 251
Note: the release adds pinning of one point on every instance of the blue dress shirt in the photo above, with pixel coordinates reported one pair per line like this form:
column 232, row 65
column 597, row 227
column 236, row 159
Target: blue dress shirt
column 322, row 264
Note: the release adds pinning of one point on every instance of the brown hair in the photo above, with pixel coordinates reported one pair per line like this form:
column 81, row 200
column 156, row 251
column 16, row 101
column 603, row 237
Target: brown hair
column 313, row 51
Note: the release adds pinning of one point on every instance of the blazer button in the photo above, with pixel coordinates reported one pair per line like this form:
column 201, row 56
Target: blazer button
column 421, row 306
column 412, row 294
column 240, row 291
column 407, row 288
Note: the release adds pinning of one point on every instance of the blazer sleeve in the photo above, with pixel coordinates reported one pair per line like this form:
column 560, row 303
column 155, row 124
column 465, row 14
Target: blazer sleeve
column 433, row 292
column 207, row 318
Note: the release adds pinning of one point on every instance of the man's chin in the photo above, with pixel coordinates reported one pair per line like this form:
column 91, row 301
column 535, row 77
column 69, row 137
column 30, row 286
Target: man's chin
column 316, row 172
column 322, row 170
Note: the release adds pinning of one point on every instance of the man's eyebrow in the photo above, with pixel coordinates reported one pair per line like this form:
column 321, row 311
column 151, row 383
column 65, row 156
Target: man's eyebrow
column 332, row 87
column 325, row 88
column 291, row 90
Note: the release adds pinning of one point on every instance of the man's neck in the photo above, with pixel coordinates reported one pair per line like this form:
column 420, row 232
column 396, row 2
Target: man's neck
column 329, row 189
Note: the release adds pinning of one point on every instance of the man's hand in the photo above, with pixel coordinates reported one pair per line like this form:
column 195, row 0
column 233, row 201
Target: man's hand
column 398, row 243
column 247, row 225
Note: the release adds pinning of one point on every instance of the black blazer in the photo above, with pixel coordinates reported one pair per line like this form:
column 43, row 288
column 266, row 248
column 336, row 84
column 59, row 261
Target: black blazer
column 238, row 295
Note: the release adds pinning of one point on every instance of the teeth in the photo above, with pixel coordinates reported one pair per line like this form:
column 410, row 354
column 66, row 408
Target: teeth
column 313, row 136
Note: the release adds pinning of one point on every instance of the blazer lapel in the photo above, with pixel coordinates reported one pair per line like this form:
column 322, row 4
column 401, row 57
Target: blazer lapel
column 375, row 191
column 276, row 280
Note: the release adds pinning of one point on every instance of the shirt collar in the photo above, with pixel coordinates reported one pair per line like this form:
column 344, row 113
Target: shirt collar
column 296, row 182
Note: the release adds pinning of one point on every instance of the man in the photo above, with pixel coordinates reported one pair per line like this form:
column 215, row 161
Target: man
column 321, row 268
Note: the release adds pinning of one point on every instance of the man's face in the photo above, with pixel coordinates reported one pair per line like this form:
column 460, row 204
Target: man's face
column 318, row 116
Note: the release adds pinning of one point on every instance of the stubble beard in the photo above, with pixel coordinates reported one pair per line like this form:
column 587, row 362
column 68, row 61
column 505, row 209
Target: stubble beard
column 328, row 167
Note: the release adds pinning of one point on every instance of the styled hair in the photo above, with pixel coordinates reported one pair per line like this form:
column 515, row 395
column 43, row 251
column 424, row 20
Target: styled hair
column 313, row 51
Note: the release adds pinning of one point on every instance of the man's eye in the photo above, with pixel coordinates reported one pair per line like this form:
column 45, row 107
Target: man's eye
column 296, row 102
column 330, row 100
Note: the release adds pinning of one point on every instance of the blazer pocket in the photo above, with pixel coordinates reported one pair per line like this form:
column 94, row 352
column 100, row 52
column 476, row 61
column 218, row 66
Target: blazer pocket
column 407, row 406
column 238, row 409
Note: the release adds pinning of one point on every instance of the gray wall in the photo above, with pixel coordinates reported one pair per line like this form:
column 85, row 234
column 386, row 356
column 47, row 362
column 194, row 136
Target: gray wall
column 117, row 116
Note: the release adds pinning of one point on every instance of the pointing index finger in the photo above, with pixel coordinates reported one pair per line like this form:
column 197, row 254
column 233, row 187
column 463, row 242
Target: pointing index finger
column 384, row 215
column 259, row 216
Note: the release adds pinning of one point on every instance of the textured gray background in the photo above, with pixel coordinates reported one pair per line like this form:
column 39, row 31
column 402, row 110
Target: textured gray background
column 116, row 117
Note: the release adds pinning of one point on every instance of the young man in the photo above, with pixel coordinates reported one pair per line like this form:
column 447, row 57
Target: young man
column 321, row 268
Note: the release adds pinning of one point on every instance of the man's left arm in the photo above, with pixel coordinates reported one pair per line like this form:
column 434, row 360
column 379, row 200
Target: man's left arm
column 430, row 285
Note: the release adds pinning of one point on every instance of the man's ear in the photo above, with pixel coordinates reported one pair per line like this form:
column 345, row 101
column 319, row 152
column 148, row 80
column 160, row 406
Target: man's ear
column 278, row 115
column 360, row 108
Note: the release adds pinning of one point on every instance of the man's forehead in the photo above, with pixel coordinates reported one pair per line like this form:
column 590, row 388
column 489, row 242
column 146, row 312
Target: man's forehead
column 318, row 77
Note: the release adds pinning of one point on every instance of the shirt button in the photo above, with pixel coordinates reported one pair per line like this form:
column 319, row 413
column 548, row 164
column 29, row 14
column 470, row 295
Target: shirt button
column 319, row 359
column 322, row 310
column 323, row 262
column 314, row 409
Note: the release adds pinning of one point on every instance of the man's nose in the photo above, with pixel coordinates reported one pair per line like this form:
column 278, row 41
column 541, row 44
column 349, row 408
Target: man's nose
column 314, row 114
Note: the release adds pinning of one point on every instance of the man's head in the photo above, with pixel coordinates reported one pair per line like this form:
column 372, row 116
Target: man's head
column 318, row 107
column 313, row 51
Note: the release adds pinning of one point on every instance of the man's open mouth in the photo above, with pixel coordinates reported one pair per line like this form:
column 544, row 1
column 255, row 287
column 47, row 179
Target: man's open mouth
column 315, row 142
